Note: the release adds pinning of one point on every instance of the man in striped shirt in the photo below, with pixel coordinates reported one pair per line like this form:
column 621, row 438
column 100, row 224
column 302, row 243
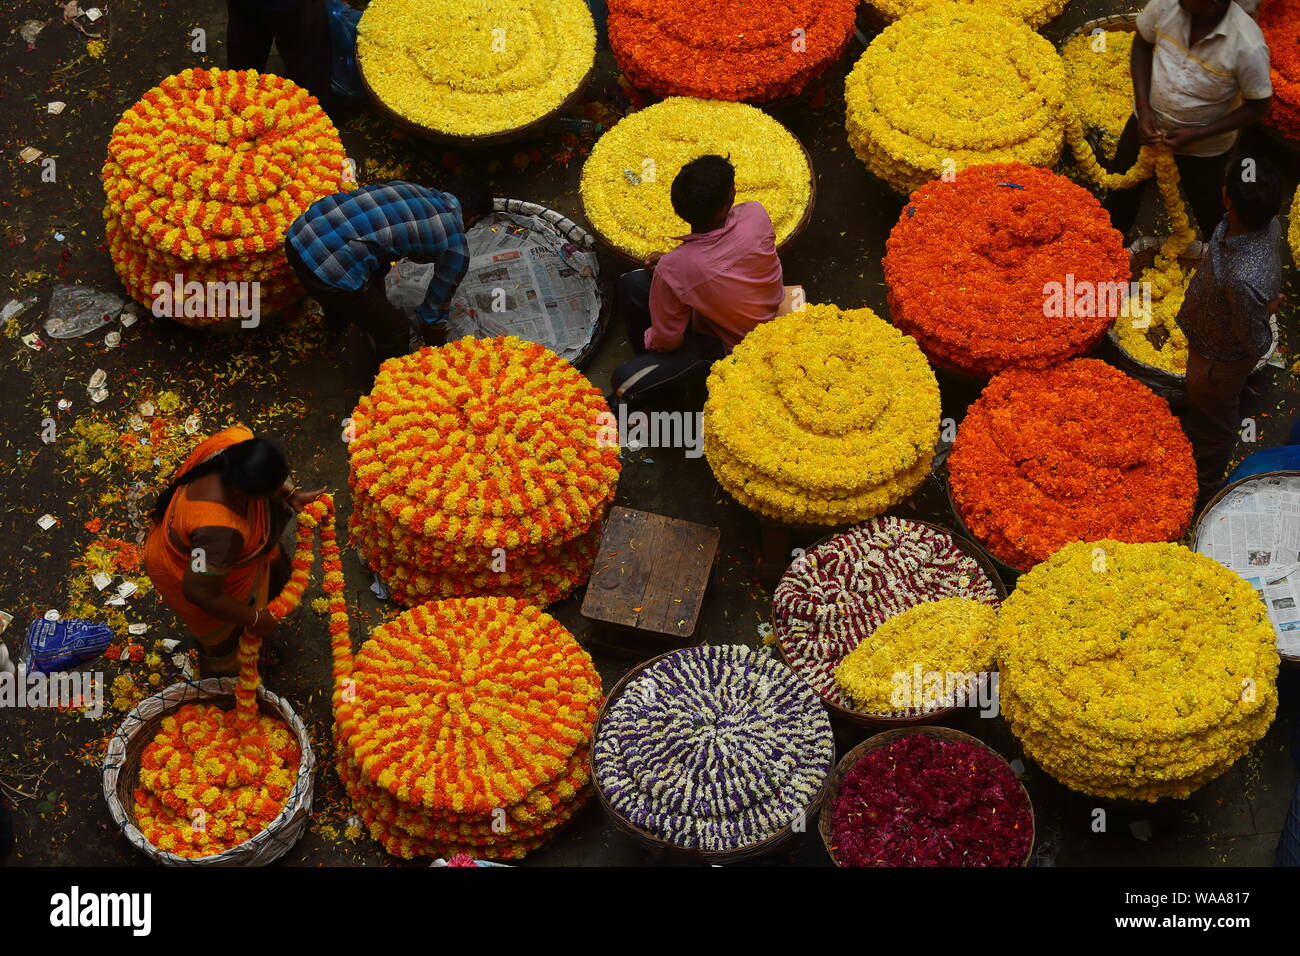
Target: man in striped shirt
column 343, row 246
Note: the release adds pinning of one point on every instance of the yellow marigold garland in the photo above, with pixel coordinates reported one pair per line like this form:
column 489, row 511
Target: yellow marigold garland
column 1034, row 12
column 824, row 416
column 475, row 67
column 1135, row 671
column 1293, row 232
column 626, row 179
column 954, row 86
column 480, row 467
column 1099, row 84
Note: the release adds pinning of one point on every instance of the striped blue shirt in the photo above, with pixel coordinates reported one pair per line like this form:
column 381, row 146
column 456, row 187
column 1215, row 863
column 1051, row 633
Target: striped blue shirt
column 349, row 239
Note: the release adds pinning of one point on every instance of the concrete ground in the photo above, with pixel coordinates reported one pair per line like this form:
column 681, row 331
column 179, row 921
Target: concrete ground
column 284, row 383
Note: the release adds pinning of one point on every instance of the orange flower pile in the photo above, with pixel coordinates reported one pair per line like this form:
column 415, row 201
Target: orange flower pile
column 1077, row 452
column 1280, row 22
column 205, row 174
column 970, row 264
column 480, row 468
column 463, row 727
column 736, row 50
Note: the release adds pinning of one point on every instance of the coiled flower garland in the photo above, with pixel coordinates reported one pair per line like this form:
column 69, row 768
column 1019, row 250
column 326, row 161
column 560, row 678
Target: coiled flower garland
column 713, row 748
column 1034, row 12
column 1280, row 22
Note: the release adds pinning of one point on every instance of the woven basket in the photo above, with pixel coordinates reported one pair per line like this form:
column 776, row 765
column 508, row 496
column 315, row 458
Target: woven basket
column 861, row 718
column 658, row 843
column 1287, row 659
column 883, row 740
column 1120, row 22
column 122, row 770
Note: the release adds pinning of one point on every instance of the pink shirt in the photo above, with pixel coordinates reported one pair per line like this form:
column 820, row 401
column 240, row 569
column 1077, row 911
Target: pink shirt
column 723, row 282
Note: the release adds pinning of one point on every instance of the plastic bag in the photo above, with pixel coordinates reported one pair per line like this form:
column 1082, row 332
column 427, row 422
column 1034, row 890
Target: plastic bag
column 54, row 646
column 78, row 309
column 345, row 75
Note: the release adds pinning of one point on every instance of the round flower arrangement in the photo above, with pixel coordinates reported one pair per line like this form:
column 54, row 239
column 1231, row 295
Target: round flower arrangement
column 627, row 178
column 1280, row 22
column 203, row 177
column 480, row 467
column 923, row 800
column 954, row 86
column 951, row 636
column 1034, row 12
column 713, row 748
column 1099, row 84
column 1135, row 671
column 1077, row 452
column 475, row 67
column 738, row 51
column 824, row 416
column 987, row 271
column 464, row 726
column 834, row 597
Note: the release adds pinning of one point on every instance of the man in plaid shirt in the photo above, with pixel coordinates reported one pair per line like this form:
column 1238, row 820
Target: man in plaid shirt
column 343, row 246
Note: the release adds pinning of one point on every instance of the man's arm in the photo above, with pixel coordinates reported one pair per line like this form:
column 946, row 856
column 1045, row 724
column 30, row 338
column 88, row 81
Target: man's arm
column 450, row 266
column 669, row 318
column 1248, row 113
column 1139, row 61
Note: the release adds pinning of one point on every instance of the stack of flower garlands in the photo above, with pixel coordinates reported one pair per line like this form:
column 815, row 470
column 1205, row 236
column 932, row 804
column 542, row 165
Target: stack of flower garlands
column 737, row 50
column 463, row 726
column 954, row 86
column 823, row 416
column 626, row 179
column 1099, row 83
column 713, row 748
column 212, row 779
column 834, row 598
column 480, row 468
column 1077, row 452
column 1293, row 232
column 1280, row 21
column 1034, row 12
column 970, row 260
column 1135, row 671
column 204, row 175
column 496, row 65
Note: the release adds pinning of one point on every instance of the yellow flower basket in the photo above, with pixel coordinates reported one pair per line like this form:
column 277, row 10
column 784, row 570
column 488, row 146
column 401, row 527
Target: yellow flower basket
column 1034, row 12
column 1098, row 81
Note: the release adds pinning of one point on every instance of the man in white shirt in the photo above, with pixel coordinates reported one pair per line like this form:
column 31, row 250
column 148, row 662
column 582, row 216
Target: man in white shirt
column 1200, row 74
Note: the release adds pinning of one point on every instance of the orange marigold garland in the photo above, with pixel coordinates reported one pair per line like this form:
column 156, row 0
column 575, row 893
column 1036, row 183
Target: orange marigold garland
column 205, row 174
column 1007, row 265
column 738, row 51
column 1077, row 452
column 1280, row 22
column 481, row 467
column 463, row 726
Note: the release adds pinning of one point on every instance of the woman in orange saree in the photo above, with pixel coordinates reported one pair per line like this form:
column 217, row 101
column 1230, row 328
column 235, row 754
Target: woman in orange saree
column 213, row 552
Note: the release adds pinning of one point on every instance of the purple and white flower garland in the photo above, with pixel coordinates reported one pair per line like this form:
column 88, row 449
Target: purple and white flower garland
column 713, row 748
column 838, row 593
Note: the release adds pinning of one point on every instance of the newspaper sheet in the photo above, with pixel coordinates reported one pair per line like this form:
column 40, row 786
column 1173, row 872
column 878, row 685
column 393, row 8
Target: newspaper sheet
column 525, row 278
column 1255, row 531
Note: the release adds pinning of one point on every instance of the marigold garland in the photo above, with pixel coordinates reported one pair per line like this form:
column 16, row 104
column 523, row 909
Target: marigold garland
column 626, row 179
column 739, row 51
column 1135, row 671
column 1280, row 22
column 970, row 262
column 496, row 65
column 480, row 468
column 463, row 726
column 1034, row 12
column 823, row 416
column 1099, row 83
column 954, row 86
column 204, row 176
column 1293, row 231
column 1077, row 452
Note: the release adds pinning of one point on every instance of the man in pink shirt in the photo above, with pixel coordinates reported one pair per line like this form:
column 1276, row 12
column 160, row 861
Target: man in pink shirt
column 693, row 305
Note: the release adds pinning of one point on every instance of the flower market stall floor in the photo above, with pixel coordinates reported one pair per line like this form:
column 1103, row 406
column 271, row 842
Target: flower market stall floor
column 92, row 466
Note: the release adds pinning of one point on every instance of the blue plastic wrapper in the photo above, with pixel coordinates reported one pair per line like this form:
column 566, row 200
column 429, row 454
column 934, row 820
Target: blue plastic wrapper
column 345, row 75
column 54, row 646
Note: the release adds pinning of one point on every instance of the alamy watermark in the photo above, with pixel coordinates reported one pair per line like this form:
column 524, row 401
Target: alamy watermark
column 75, row 690
column 924, row 690
column 634, row 430
column 208, row 300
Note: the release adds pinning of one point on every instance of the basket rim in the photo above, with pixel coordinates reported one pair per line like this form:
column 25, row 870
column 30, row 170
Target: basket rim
column 1119, row 22
column 208, row 688
column 876, row 721
column 888, row 737
column 738, row 854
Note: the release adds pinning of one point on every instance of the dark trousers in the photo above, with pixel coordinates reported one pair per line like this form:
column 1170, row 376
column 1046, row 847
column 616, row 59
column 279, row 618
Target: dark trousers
column 300, row 31
column 652, row 371
column 1201, row 177
column 384, row 324
column 1212, row 420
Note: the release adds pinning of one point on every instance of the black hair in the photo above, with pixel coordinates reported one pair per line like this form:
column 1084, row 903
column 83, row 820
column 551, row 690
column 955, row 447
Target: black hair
column 256, row 467
column 702, row 189
column 1254, row 187
column 473, row 194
